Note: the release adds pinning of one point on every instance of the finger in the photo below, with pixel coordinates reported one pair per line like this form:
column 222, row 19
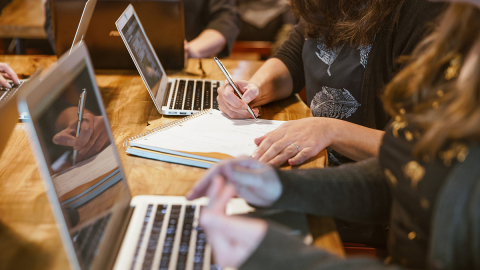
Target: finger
column 250, row 94
column 287, row 153
column 275, row 149
column 267, row 143
column 234, row 113
column 7, row 69
column 231, row 98
column 94, row 146
column 64, row 138
column 260, row 139
column 4, row 82
column 223, row 193
column 86, row 132
column 301, row 157
column 201, row 186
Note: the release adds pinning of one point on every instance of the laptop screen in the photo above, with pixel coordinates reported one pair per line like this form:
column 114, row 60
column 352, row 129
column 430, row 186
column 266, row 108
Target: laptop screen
column 88, row 190
column 143, row 53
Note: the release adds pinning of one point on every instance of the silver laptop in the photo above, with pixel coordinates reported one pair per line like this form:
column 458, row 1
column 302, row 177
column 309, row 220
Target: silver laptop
column 101, row 226
column 84, row 22
column 6, row 93
column 170, row 96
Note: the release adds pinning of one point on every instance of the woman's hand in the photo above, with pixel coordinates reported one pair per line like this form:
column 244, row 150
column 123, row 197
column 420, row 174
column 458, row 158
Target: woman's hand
column 311, row 135
column 92, row 139
column 254, row 181
column 6, row 72
column 230, row 104
column 233, row 239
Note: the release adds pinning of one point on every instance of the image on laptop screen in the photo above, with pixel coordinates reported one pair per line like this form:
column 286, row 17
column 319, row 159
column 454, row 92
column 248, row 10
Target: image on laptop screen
column 152, row 73
column 88, row 190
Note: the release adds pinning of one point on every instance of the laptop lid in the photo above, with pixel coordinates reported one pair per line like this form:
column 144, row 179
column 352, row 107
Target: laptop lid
column 165, row 27
column 84, row 22
column 90, row 199
column 143, row 55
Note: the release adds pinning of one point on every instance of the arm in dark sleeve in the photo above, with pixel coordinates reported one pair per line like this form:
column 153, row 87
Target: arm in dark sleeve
column 354, row 192
column 225, row 18
column 280, row 250
column 291, row 55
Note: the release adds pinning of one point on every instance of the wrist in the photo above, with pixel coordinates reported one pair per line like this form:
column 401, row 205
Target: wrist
column 329, row 127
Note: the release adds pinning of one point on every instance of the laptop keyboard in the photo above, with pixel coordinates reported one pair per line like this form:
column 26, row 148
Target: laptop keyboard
column 86, row 240
column 194, row 95
column 4, row 92
column 175, row 242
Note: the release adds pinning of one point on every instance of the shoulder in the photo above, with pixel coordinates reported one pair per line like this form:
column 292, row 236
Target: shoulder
column 419, row 12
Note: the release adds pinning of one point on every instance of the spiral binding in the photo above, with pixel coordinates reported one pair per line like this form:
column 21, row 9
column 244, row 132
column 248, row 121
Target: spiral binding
column 126, row 143
column 8, row 95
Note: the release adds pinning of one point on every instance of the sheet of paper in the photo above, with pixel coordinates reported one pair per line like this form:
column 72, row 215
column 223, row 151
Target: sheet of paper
column 85, row 171
column 211, row 132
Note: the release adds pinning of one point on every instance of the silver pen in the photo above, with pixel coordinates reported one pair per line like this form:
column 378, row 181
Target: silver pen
column 234, row 86
column 81, row 109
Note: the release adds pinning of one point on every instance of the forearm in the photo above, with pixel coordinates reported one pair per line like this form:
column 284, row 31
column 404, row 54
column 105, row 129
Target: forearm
column 354, row 192
column 209, row 43
column 354, row 141
column 274, row 81
column 280, row 250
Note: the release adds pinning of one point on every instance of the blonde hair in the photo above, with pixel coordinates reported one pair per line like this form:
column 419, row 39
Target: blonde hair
column 445, row 107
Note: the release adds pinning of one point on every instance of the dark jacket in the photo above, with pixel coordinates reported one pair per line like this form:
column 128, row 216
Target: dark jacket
column 454, row 242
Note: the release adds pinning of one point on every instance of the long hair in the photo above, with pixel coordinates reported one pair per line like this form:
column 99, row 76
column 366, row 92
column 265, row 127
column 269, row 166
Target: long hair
column 345, row 21
column 439, row 90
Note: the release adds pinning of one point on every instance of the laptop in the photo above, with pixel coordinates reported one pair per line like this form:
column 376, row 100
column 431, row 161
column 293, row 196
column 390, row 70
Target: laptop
column 84, row 22
column 165, row 28
column 101, row 226
column 170, row 96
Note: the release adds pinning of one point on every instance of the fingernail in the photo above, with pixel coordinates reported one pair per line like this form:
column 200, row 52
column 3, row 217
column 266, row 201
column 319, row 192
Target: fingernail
column 9, row 85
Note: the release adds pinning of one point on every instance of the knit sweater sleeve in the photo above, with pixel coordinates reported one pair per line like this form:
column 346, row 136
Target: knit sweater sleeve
column 291, row 55
column 355, row 192
column 280, row 250
column 224, row 18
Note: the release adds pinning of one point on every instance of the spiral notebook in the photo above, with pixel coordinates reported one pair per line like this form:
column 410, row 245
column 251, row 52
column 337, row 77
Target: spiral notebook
column 201, row 140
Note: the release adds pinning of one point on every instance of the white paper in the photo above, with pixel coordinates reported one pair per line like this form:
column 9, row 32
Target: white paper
column 211, row 132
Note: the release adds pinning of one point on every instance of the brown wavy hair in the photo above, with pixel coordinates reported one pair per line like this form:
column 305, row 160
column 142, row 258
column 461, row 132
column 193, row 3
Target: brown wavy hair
column 345, row 21
column 445, row 109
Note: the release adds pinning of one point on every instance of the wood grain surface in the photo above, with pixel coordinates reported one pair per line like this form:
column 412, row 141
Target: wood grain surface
column 28, row 233
column 23, row 19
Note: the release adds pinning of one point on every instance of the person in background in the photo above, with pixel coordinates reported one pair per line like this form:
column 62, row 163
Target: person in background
column 426, row 180
column 7, row 73
column 343, row 53
column 211, row 27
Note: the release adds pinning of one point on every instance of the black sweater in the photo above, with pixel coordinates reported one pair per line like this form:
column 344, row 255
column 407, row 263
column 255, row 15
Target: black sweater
column 395, row 39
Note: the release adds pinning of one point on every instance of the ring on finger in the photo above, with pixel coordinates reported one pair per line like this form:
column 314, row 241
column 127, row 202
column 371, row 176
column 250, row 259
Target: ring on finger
column 298, row 148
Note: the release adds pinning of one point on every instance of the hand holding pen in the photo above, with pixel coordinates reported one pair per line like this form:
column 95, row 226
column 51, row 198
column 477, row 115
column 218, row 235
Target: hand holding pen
column 81, row 109
column 233, row 97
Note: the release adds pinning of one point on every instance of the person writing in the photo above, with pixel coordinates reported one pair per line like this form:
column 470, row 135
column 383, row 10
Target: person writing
column 426, row 180
column 343, row 53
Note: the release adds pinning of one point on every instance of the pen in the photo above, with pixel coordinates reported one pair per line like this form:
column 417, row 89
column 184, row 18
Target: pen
column 81, row 108
column 229, row 79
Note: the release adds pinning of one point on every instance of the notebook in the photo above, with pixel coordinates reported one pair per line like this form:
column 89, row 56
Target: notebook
column 201, row 140
column 170, row 96
column 101, row 225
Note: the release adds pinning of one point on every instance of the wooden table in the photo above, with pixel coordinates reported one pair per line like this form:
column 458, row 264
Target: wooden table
column 23, row 19
column 28, row 234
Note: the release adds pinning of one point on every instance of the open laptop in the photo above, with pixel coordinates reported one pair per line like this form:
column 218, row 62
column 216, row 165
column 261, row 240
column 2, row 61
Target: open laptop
column 170, row 96
column 166, row 29
column 84, row 22
column 101, row 226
